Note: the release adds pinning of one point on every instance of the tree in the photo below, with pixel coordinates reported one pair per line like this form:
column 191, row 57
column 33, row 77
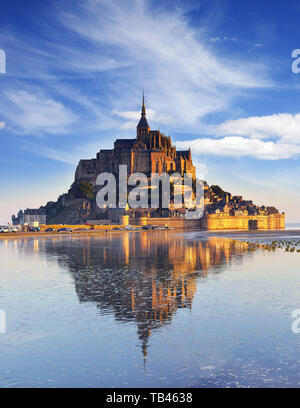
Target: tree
column 218, row 191
column 83, row 189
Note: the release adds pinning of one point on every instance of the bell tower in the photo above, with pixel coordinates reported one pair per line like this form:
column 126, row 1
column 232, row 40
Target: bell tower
column 143, row 128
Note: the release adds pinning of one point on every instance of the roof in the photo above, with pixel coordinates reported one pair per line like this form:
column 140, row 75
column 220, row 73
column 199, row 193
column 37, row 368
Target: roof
column 127, row 143
column 183, row 153
column 34, row 211
column 143, row 123
column 272, row 210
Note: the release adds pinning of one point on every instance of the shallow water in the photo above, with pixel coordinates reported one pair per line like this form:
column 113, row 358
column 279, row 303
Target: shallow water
column 146, row 309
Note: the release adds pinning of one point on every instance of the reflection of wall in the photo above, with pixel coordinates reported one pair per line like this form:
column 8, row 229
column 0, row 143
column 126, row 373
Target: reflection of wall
column 141, row 276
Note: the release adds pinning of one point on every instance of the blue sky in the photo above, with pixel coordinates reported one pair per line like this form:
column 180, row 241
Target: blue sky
column 217, row 77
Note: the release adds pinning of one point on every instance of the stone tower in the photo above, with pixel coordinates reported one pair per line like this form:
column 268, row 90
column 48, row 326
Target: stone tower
column 143, row 128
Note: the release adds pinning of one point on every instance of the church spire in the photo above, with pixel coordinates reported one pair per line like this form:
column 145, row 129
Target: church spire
column 143, row 106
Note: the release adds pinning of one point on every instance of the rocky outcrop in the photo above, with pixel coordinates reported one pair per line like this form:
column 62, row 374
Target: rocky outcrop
column 76, row 207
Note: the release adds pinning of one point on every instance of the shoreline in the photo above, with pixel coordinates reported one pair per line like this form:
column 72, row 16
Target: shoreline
column 221, row 233
column 42, row 234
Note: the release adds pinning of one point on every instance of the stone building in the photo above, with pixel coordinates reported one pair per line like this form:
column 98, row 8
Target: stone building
column 150, row 152
column 29, row 217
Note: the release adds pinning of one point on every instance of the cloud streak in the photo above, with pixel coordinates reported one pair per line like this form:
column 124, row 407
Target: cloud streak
column 283, row 126
column 241, row 147
column 270, row 137
column 160, row 48
column 130, row 45
column 37, row 114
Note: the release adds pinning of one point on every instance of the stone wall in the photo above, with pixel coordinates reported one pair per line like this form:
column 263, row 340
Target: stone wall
column 242, row 222
column 217, row 222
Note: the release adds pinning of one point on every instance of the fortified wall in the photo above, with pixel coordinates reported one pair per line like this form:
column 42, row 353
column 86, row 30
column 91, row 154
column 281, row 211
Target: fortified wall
column 216, row 222
column 243, row 222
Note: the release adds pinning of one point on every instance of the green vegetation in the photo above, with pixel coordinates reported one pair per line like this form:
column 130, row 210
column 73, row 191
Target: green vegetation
column 287, row 246
column 83, row 189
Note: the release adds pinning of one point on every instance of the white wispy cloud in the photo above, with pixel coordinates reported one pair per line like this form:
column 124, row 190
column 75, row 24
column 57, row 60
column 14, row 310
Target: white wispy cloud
column 70, row 156
column 282, row 126
column 136, row 43
column 234, row 146
column 134, row 116
column 188, row 80
column 36, row 113
column 2, row 125
column 220, row 39
column 270, row 137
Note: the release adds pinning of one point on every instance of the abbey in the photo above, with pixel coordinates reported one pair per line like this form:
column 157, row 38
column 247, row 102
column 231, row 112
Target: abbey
column 150, row 152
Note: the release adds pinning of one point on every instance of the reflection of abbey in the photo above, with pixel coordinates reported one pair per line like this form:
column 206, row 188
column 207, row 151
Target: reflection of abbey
column 107, row 270
column 149, row 153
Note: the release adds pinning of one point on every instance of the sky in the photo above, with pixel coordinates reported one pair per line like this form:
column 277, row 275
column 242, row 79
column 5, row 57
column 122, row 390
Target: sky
column 217, row 77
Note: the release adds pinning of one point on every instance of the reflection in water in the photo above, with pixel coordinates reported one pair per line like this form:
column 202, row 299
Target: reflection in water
column 81, row 308
column 36, row 245
column 140, row 276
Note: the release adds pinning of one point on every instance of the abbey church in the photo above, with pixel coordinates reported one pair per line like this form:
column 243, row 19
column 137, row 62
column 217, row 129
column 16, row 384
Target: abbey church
column 150, row 152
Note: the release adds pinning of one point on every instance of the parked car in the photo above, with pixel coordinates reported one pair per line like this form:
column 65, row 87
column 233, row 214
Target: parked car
column 13, row 229
column 4, row 228
column 33, row 229
column 50, row 230
column 64, row 230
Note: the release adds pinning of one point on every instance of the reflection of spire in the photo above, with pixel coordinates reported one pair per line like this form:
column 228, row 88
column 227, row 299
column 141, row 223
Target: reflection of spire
column 144, row 334
column 145, row 353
